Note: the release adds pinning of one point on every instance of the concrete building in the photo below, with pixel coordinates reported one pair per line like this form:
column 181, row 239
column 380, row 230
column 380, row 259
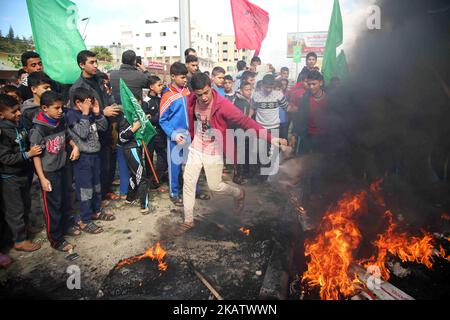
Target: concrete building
column 160, row 42
column 229, row 55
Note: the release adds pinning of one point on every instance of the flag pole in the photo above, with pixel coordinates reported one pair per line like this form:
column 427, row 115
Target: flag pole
column 149, row 161
column 185, row 27
column 298, row 34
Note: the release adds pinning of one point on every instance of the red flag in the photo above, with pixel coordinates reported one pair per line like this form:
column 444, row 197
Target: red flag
column 250, row 25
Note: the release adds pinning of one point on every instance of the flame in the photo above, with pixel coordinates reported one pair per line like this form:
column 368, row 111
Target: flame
column 245, row 231
column 442, row 253
column 331, row 252
column 157, row 253
column 406, row 248
column 375, row 188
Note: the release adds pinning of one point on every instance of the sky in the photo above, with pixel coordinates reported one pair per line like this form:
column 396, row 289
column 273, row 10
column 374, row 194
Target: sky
column 106, row 17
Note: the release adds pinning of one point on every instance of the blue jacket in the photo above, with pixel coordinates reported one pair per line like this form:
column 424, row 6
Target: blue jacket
column 173, row 112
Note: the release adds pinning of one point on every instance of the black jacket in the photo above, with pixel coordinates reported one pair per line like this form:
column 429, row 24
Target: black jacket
column 14, row 145
column 126, row 137
column 133, row 78
column 150, row 106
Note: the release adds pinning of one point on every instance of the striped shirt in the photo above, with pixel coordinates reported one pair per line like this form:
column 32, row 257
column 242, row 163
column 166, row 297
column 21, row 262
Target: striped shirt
column 268, row 108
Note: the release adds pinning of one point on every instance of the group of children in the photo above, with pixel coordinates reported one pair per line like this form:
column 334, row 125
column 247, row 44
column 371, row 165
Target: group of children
column 60, row 141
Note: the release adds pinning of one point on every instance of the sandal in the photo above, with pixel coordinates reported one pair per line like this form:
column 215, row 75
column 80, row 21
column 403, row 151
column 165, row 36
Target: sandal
column 177, row 201
column 65, row 246
column 239, row 203
column 27, row 246
column 240, row 180
column 202, row 196
column 183, row 228
column 104, row 215
column 91, row 228
column 73, row 231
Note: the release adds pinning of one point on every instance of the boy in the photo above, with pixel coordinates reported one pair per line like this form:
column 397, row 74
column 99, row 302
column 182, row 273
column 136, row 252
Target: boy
column 228, row 87
column 12, row 91
column 173, row 120
column 31, row 62
column 192, row 65
column 139, row 184
column 311, row 61
column 218, row 78
column 39, row 83
column 49, row 133
column 159, row 142
column 84, row 122
column 15, row 168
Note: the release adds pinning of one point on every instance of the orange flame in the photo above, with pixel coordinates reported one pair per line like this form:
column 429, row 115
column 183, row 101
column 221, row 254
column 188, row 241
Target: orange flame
column 153, row 254
column 245, row 231
column 408, row 249
column 331, row 252
column 375, row 187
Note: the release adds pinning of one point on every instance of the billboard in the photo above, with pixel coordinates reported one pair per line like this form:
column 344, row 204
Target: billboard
column 309, row 41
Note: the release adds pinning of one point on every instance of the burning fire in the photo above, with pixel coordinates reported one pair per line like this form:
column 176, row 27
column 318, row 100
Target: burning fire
column 156, row 253
column 407, row 249
column 331, row 252
column 245, row 231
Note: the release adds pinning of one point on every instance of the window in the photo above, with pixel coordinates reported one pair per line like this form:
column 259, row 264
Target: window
column 163, row 34
column 137, row 34
column 174, row 32
column 225, row 59
column 230, row 69
column 225, row 44
column 148, row 49
column 138, row 49
column 148, row 35
column 175, row 47
column 163, row 48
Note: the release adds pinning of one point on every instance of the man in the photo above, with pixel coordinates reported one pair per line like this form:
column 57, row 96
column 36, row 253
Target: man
column 87, row 61
column 218, row 78
column 31, row 62
column 190, row 52
column 135, row 79
column 311, row 61
column 192, row 66
column 284, row 74
column 212, row 114
column 241, row 67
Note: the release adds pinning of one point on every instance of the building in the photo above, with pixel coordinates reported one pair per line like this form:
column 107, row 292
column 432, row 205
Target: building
column 160, row 42
column 229, row 55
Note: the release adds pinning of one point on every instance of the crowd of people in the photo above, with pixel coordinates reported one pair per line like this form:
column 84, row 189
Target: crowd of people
column 73, row 140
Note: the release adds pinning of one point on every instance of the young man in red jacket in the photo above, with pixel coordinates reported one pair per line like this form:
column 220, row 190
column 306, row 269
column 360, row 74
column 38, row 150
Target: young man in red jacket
column 213, row 115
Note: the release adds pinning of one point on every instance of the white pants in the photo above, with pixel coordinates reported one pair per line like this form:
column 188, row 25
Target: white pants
column 213, row 166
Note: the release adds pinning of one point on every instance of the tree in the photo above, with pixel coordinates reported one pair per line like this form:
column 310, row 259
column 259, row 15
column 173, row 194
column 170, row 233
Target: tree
column 10, row 35
column 102, row 53
column 1, row 34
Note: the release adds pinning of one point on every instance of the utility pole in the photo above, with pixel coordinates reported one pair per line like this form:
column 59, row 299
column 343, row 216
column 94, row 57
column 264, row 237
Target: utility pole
column 185, row 27
column 298, row 33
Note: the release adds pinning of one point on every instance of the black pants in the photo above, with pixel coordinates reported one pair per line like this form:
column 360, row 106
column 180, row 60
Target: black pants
column 158, row 145
column 107, row 158
column 139, row 183
column 16, row 205
column 56, row 207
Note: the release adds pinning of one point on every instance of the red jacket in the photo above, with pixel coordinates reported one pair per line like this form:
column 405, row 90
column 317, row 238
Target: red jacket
column 223, row 115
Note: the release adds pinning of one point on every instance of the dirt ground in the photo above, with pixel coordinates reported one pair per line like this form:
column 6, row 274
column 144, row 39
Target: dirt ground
column 42, row 274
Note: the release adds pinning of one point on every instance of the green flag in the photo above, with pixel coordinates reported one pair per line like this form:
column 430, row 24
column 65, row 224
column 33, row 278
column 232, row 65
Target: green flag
column 56, row 37
column 334, row 66
column 133, row 112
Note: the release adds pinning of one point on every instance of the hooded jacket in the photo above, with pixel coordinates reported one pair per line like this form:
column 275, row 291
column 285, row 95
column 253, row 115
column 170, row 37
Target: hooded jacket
column 14, row 146
column 52, row 137
column 29, row 111
column 224, row 115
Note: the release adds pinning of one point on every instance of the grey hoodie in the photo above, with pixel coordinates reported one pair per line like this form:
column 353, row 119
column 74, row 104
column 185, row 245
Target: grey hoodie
column 29, row 111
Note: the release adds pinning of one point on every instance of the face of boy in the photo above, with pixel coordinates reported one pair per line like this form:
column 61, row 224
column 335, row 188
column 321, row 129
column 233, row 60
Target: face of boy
column 157, row 87
column 180, row 80
column 219, row 79
column 41, row 89
column 247, row 91
column 11, row 114
column 285, row 74
column 315, row 86
column 311, row 62
column 204, row 95
column 90, row 67
column 33, row 65
column 251, row 80
column 228, row 85
column 192, row 67
column 267, row 88
column 54, row 111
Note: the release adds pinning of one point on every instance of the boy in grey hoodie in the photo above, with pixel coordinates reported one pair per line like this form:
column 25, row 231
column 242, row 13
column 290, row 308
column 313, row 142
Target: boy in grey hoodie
column 84, row 122
column 49, row 132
